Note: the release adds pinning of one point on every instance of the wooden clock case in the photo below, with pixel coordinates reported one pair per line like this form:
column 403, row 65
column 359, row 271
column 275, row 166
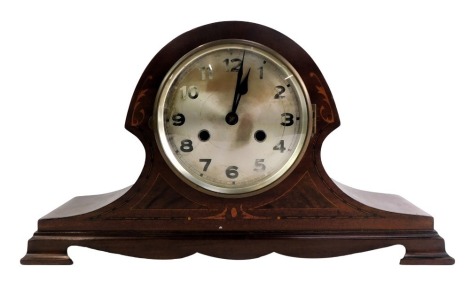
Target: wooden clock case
column 307, row 215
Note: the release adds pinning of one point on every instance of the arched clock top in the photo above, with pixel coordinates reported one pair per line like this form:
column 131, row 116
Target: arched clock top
column 142, row 103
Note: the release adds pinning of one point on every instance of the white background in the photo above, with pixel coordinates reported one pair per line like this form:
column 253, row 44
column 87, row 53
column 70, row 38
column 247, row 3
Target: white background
column 399, row 73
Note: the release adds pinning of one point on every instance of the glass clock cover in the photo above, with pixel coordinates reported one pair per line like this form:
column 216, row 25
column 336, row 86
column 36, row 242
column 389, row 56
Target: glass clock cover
column 232, row 118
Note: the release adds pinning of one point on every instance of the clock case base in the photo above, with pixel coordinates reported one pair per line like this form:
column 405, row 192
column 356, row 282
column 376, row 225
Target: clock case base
column 306, row 215
column 49, row 247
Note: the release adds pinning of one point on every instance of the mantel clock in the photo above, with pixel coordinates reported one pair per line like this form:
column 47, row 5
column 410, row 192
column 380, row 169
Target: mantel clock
column 232, row 116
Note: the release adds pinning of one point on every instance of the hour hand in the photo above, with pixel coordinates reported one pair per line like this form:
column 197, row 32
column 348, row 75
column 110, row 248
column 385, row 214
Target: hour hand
column 243, row 86
column 242, row 89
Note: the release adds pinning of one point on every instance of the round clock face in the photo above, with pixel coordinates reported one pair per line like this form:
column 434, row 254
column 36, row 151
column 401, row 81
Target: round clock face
column 232, row 118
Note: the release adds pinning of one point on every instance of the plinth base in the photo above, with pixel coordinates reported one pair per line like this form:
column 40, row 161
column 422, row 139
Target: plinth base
column 422, row 248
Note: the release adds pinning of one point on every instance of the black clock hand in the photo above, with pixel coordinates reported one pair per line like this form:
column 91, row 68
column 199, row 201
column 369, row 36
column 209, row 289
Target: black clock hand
column 242, row 90
column 237, row 85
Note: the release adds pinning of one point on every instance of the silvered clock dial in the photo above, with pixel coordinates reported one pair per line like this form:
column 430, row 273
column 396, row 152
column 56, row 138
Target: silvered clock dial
column 232, row 117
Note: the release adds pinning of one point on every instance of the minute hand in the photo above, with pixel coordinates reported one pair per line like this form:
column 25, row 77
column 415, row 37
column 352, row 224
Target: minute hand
column 237, row 84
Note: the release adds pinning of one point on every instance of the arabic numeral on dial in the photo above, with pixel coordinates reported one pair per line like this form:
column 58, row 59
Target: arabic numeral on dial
column 206, row 163
column 190, row 92
column 178, row 119
column 206, row 72
column 261, row 72
column 288, row 119
column 232, row 65
column 280, row 146
column 259, row 165
column 279, row 92
column 186, row 145
column 231, row 172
